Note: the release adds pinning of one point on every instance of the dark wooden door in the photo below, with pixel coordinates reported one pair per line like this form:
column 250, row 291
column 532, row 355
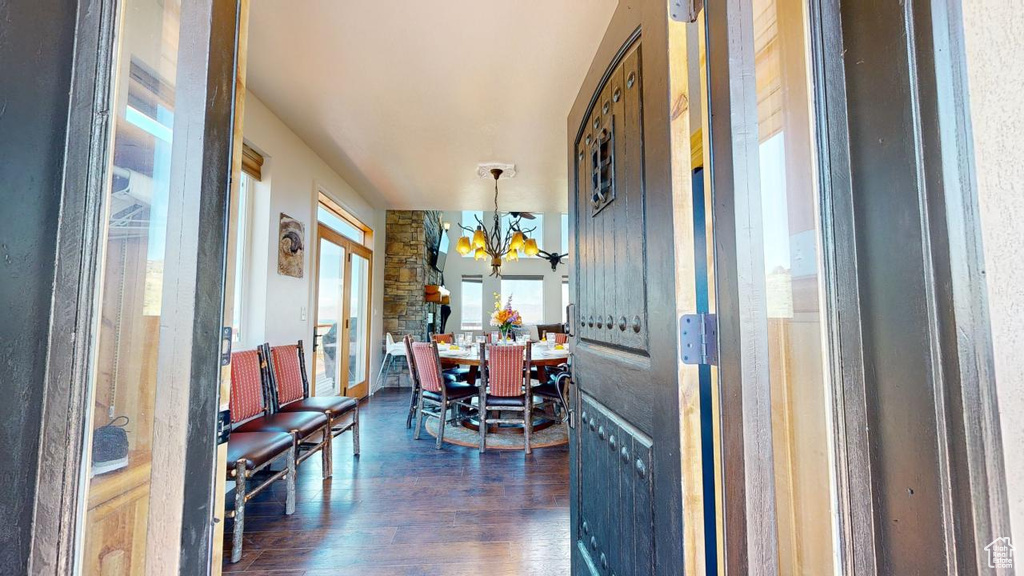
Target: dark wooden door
column 626, row 496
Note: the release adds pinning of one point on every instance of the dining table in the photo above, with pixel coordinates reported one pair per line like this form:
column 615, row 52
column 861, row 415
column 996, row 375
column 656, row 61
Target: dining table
column 542, row 357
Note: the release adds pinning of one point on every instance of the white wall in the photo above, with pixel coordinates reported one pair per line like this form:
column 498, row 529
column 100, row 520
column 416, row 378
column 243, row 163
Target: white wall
column 995, row 75
column 457, row 266
column 292, row 176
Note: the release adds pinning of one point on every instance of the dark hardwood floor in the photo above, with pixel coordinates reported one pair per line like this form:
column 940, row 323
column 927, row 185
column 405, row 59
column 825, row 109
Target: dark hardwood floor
column 403, row 508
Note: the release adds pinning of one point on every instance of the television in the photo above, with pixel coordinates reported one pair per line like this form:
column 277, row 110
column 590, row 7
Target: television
column 441, row 253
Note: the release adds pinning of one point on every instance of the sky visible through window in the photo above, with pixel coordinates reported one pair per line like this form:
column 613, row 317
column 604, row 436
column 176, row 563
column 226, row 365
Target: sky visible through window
column 472, row 304
column 527, row 297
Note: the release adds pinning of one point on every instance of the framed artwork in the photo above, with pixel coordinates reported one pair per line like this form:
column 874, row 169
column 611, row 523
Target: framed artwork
column 290, row 246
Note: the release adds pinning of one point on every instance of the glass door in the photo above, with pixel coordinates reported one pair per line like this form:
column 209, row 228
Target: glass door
column 358, row 355
column 141, row 416
column 330, row 308
column 774, row 408
column 342, row 329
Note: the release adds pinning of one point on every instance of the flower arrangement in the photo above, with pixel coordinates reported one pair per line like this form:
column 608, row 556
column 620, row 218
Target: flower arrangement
column 505, row 318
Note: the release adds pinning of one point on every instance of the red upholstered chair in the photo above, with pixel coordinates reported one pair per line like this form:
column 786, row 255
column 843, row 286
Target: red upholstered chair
column 444, row 338
column 251, row 452
column 291, row 389
column 505, row 388
column 559, row 338
column 251, row 411
column 437, row 391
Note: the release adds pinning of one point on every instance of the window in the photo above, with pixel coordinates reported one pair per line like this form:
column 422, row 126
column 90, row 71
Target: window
column 565, row 299
column 328, row 218
column 527, row 294
column 472, row 303
column 565, row 233
column 243, row 225
column 330, row 214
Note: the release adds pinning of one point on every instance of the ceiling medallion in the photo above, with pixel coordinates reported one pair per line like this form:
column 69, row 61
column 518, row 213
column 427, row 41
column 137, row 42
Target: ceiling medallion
column 495, row 244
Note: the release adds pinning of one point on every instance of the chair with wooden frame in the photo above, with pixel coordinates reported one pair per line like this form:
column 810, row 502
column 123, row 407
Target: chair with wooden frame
column 250, row 380
column 249, row 453
column 554, row 391
column 505, row 388
column 460, row 373
column 559, row 338
column 290, row 387
column 435, row 387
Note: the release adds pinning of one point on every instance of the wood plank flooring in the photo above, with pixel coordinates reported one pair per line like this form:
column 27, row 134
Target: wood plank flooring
column 403, row 508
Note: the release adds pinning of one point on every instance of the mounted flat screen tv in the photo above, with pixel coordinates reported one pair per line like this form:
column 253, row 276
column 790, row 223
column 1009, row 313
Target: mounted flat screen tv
column 441, row 253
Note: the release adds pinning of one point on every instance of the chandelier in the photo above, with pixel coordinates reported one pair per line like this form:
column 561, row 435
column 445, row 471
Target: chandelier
column 495, row 244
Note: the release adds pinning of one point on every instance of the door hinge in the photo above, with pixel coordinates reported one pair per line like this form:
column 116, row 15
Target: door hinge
column 225, row 346
column 685, row 10
column 698, row 339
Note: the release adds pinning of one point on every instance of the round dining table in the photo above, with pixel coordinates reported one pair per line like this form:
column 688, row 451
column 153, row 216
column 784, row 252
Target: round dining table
column 541, row 358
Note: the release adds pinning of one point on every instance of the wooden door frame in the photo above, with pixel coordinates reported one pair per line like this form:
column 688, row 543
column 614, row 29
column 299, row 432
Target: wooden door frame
column 189, row 354
column 351, row 247
column 921, row 74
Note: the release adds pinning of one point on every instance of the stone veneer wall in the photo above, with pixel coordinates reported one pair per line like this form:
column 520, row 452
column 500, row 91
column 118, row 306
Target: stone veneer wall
column 409, row 237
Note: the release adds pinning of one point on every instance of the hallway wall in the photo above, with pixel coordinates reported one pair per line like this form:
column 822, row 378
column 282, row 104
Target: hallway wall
column 995, row 74
column 293, row 175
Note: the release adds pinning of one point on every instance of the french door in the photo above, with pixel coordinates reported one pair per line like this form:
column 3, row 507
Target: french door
column 128, row 487
column 342, row 330
column 708, row 382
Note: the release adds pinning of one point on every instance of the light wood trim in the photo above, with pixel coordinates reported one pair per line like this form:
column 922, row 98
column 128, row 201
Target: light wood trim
column 351, row 247
column 252, row 161
column 335, row 208
column 239, row 153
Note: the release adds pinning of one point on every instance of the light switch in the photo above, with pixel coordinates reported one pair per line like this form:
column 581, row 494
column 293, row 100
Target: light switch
column 302, row 313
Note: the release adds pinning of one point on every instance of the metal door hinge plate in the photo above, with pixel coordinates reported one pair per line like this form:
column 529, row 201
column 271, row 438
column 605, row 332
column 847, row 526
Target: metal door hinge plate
column 225, row 346
column 698, row 339
column 223, row 426
column 685, row 10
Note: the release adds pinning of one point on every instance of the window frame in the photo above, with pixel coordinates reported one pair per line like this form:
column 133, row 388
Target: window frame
column 539, row 280
column 478, row 280
column 243, row 254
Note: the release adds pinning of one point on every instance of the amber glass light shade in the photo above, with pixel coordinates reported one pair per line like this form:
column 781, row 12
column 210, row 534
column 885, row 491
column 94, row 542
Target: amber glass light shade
column 479, row 239
column 517, row 241
column 480, row 254
column 511, row 255
column 531, row 248
column 462, row 246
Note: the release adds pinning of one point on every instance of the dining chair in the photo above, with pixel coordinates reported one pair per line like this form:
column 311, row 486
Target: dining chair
column 444, row 338
column 435, row 387
column 292, row 391
column 560, row 338
column 505, row 388
column 252, row 409
column 554, row 391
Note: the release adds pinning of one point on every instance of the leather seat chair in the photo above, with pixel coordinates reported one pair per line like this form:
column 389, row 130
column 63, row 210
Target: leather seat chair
column 438, row 392
column 506, row 388
column 250, row 411
column 291, row 389
column 248, row 454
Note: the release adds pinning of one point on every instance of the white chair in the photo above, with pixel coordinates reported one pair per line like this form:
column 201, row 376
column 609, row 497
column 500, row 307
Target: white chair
column 392, row 350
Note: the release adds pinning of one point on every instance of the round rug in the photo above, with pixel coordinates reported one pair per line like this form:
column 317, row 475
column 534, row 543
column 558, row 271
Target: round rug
column 459, row 435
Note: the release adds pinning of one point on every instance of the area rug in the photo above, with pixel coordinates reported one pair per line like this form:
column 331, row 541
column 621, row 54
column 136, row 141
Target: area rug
column 501, row 440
